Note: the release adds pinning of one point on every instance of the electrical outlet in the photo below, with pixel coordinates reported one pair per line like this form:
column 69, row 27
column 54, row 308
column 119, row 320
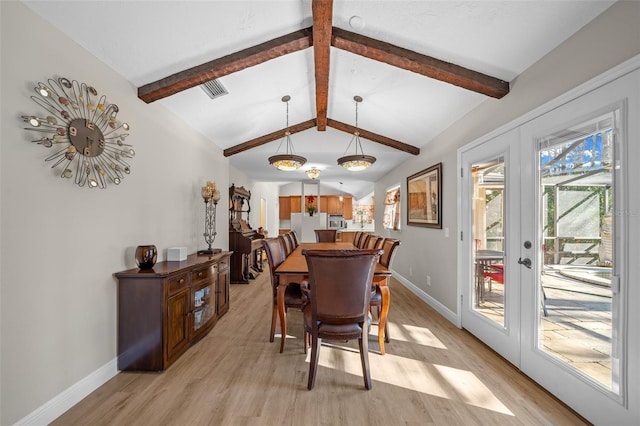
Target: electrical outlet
column 446, row 232
column 429, row 280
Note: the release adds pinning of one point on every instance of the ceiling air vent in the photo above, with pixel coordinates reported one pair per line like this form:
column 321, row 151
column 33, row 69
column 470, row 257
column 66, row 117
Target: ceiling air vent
column 214, row 89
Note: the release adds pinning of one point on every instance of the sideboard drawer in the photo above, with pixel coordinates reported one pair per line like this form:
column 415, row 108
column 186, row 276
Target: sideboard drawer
column 203, row 274
column 178, row 282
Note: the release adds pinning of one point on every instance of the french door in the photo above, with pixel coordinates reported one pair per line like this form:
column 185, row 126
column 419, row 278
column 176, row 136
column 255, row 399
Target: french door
column 543, row 248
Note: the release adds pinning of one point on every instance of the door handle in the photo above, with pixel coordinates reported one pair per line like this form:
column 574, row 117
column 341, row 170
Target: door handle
column 526, row 262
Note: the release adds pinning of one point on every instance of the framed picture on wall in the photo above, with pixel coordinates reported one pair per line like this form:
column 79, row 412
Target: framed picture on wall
column 424, row 198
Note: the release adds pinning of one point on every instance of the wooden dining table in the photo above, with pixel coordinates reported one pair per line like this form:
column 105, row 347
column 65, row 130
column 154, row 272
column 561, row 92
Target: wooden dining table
column 294, row 270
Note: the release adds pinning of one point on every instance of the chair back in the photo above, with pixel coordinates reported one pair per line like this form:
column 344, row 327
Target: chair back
column 364, row 240
column 389, row 247
column 356, row 238
column 292, row 243
column 286, row 243
column 375, row 242
column 275, row 256
column 326, row 235
column 294, row 237
column 340, row 284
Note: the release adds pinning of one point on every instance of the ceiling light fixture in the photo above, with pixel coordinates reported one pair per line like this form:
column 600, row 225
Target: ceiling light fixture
column 357, row 162
column 289, row 161
column 313, row 173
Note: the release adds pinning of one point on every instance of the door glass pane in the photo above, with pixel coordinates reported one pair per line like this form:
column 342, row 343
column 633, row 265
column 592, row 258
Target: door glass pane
column 576, row 213
column 488, row 235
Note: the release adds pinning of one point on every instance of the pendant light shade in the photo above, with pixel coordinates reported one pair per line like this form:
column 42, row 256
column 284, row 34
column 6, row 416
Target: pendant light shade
column 358, row 161
column 289, row 161
column 313, row 173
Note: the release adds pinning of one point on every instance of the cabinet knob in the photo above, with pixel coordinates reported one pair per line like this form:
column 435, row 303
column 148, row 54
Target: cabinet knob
column 200, row 274
column 181, row 281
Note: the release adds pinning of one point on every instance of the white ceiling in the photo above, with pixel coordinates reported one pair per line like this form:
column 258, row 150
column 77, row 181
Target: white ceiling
column 145, row 41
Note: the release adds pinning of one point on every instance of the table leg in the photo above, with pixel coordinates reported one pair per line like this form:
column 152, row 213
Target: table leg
column 282, row 314
column 384, row 310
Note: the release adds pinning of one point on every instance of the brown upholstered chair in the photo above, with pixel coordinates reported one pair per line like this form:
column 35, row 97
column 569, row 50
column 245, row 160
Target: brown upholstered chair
column 374, row 242
column 292, row 242
column 286, row 243
column 389, row 248
column 339, row 292
column 356, row 238
column 326, row 235
column 364, row 240
column 275, row 251
column 295, row 239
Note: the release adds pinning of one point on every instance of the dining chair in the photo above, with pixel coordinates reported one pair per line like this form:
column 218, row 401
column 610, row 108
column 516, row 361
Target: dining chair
column 389, row 248
column 295, row 239
column 292, row 242
column 364, row 240
column 326, row 235
column 356, row 238
column 293, row 294
column 286, row 243
column 374, row 242
column 339, row 289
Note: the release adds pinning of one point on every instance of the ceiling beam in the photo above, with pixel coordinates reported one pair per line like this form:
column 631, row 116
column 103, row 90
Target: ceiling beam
column 278, row 134
column 418, row 63
column 322, row 11
column 183, row 80
column 374, row 137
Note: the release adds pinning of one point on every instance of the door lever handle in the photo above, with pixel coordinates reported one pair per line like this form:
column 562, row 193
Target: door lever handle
column 526, row 262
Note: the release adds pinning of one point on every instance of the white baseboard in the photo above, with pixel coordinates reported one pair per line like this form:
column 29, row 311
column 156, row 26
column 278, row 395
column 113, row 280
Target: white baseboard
column 439, row 307
column 55, row 407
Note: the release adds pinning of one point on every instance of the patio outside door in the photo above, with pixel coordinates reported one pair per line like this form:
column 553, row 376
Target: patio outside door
column 542, row 251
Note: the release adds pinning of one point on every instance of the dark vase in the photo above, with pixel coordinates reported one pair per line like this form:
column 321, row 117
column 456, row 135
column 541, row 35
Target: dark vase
column 146, row 256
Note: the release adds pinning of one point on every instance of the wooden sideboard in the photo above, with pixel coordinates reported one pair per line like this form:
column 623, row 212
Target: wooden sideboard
column 165, row 310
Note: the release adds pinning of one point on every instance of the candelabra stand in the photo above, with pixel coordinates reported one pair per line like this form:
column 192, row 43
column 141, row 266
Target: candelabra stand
column 211, row 196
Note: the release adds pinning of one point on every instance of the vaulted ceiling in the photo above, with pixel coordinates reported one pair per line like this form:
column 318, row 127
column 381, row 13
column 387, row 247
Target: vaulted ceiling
column 419, row 66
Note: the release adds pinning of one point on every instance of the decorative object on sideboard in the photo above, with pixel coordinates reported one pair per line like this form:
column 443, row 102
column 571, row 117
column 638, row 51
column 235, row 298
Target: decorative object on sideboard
column 146, row 256
column 83, row 128
column 313, row 173
column 357, row 162
column 211, row 196
column 289, row 161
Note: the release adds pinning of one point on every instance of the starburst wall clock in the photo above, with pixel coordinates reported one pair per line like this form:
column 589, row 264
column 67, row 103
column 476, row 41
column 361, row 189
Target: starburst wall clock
column 82, row 128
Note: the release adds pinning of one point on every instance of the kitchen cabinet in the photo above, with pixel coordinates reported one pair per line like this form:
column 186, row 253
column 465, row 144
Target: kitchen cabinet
column 347, row 208
column 285, row 208
column 296, row 203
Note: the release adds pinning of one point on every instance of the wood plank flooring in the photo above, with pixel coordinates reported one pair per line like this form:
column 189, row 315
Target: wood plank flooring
column 432, row 374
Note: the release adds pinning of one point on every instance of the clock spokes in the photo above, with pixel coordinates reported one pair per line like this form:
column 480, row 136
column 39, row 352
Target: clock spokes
column 85, row 127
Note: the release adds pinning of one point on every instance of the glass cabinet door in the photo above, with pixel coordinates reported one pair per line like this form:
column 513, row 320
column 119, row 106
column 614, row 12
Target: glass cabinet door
column 203, row 296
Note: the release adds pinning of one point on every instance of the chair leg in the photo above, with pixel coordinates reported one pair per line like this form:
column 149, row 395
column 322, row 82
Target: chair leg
column 274, row 316
column 364, row 355
column 313, row 365
column 386, row 326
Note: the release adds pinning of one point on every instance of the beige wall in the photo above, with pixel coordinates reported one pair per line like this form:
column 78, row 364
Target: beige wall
column 607, row 41
column 61, row 243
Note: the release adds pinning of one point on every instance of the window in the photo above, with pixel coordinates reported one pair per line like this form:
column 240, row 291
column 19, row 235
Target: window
column 391, row 218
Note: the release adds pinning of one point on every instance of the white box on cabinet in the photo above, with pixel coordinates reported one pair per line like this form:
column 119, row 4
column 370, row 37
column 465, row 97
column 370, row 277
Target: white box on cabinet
column 176, row 254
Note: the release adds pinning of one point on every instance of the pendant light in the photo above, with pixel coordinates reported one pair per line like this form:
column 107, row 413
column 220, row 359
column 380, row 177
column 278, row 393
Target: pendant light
column 313, row 173
column 289, row 161
column 359, row 161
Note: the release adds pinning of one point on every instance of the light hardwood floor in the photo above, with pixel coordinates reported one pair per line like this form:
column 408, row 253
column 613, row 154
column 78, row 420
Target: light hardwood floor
column 433, row 373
